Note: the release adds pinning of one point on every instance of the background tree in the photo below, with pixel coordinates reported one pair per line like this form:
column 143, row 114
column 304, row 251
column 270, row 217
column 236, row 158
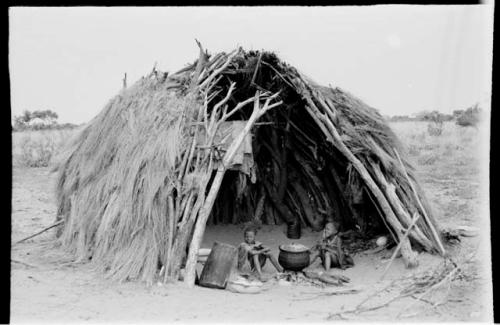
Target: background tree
column 46, row 115
column 470, row 117
column 46, row 119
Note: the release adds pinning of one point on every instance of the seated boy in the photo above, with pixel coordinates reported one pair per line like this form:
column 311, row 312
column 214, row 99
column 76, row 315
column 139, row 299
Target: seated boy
column 329, row 249
column 255, row 253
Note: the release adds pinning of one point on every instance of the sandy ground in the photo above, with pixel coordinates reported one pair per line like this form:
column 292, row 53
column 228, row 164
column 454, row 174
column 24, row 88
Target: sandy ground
column 46, row 290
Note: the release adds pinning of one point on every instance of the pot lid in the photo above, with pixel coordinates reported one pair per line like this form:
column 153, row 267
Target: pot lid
column 294, row 248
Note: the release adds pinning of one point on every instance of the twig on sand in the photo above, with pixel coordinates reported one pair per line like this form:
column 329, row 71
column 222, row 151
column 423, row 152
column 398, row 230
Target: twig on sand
column 431, row 288
column 21, row 262
column 329, row 293
column 446, row 279
column 424, row 300
column 69, row 263
column 358, row 308
column 376, row 293
column 436, row 281
column 432, row 304
column 40, row 232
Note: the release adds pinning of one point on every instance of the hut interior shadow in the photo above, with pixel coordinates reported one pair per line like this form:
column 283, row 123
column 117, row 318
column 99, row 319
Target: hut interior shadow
column 299, row 178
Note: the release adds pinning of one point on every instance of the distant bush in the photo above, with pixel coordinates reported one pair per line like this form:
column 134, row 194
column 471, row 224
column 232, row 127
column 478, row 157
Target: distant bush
column 470, row 117
column 39, row 127
column 435, row 126
column 39, row 120
column 457, row 113
column 36, row 152
column 39, row 148
column 422, row 116
column 400, row 118
column 435, row 129
column 455, row 146
column 429, row 158
column 433, row 116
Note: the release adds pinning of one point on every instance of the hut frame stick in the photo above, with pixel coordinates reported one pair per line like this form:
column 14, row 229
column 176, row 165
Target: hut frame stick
column 431, row 226
column 396, row 250
column 408, row 255
column 398, row 208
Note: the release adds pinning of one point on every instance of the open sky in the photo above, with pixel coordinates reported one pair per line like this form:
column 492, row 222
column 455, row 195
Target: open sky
column 399, row 59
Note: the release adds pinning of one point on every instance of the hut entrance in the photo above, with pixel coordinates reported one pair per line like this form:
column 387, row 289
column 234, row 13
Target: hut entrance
column 291, row 175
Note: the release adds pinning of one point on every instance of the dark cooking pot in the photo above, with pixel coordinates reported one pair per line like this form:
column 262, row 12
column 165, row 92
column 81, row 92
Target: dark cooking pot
column 294, row 257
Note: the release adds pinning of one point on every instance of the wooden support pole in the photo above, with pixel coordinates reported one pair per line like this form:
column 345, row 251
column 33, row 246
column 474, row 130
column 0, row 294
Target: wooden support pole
column 340, row 188
column 259, row 209
column 170, row 234
column 401, row 212
column 409, row 256
column 316, row 181
column 442, row 251
column 335, row 201
column 269, row 215
column 395, row 253
column 306, row 205
column 201, row 221
column 293, row 202
column 278, row 204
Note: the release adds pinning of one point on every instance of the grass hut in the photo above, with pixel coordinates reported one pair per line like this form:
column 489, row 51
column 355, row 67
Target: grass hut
column 230, row 138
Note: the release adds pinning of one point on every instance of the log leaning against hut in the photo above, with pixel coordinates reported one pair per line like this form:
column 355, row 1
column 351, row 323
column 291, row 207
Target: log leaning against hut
column 232, row 137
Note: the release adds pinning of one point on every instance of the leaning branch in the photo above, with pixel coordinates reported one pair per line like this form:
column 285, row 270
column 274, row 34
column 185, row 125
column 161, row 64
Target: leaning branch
column 408, row 255
column 408, row 231
column 40, row 232
column 431, row 226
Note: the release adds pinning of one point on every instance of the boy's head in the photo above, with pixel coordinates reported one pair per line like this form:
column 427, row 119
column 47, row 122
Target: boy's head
column 330, row 229
column 249, row 234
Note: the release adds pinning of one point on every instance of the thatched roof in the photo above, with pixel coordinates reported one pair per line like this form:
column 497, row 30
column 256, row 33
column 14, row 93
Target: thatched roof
column 135, row 189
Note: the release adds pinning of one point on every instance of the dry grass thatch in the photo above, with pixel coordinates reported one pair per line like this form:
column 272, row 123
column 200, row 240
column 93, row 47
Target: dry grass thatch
column 136, row 188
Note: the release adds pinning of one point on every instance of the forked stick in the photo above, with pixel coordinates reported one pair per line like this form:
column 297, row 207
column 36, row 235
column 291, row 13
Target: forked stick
column 204, row 212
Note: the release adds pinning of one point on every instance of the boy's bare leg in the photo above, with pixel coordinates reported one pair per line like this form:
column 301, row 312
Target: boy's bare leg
column 257, row 264
column 314, row 264
column 327, row 262
column 341, row 259
column 275, row 263
column 336, row 260
column 313, row 257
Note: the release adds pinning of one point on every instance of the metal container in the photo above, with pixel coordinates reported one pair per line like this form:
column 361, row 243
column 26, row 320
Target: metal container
column 293, row 259
column 293, row 230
